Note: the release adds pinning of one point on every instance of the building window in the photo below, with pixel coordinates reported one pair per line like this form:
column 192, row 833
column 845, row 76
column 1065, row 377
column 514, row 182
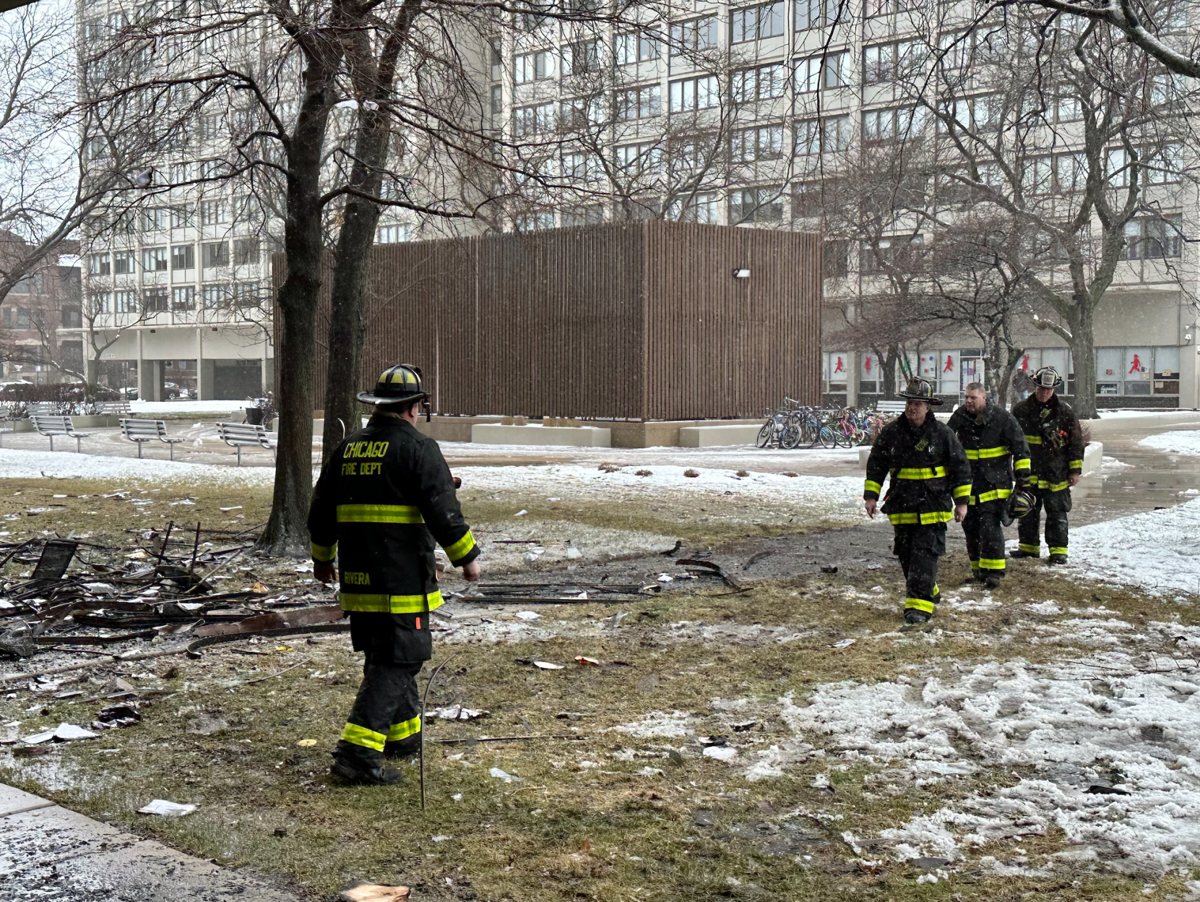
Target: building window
column 817, row 72
column 154, row 219
column 756, row 205
column 245, row 251
column 497, row 99
column 155, row 300
column 815, row 13
column 886, row 62
column 72, row 317
column 1153, row 237
column 703, row 208
column 183, row 298
column 581, row 56
column 639, row 103
column 875, row 258
column 761, row 83
column 124, row 263
column 690, row 94
column 22, row 318
column 530, row 67
column 635, row 47
column 391, row 234
column 154, row 259
column 636, row 159
column 214, row 297
column 181, row 217
column 124, row 301
column 215, row 254
column 589, row 214
column 583, row 112
column 694, row 37
column 752, row 145
column 213, row 212
column 182, row 172
column 99, row 265
column 183, row 256
column 828, row 135
column 533, row 120
column 752, row 23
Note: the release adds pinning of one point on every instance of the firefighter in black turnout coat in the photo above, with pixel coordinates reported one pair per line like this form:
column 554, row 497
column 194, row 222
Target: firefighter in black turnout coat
column 929, row 486
column 1056, row 450
column 995, row 446
column 384, row 496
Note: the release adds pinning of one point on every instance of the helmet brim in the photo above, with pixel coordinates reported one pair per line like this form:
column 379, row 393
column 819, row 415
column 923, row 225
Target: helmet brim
column 366, row 397
column 932, row 402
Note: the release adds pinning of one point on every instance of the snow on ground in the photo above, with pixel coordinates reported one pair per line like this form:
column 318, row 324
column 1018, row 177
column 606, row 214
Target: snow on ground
column 65, row 465
column 1106, row 721
column 1154, row 549
column 1174, row 442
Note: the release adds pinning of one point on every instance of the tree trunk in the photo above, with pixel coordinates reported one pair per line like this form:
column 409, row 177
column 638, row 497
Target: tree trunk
column 286, row 532
column 351, row 274
column 1083, row 354
column 889, row 361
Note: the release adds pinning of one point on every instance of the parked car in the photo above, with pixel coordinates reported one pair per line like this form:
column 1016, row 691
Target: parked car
column 173, row 391
column 129, row 393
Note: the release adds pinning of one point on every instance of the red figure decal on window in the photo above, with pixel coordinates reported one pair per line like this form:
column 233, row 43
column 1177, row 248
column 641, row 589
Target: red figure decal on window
column 1025, row 364
column 1137, row 365
column 867, row 363
column 839, row 368
column 949, row 367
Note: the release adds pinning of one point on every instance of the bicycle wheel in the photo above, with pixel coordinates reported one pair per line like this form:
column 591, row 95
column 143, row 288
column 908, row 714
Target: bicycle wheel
column 827, row 437
column 765, row 434
column 841, row 438
column 791, row 436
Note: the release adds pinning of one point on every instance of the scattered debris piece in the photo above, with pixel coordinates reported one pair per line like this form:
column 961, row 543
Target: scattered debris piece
column 790, row 474
column 691, row 474
column 665, row 578
column 167, row 809
column 458, row 712
column 1102, row 789
column 587, row 662
column 720, row 752
column 120, row 715
column 64, row 732
column 742, row 474
column 306, row 743
column 546, row 665
column 644, row 473
column 754, row 558
column 573, row 553
column 609, row 468
column 521, row 513
column 528, row 615
column 360, row 891
column 502, row 775
column 844, row 643
column 829, row 568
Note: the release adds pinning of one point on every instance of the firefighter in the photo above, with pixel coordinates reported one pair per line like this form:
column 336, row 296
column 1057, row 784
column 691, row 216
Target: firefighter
column 1056, row 450
column 384, row 496
column 995, row 446
column 930, row 483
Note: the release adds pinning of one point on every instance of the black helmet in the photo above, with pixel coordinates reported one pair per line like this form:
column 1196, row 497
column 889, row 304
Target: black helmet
column 1020, row 502
column 397, row 385
column 1047, row 377
column 921, row 390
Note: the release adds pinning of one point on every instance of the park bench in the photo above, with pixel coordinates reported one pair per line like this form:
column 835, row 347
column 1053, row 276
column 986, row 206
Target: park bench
column 6, row 420
column 43, row 408
column 142, row 431
column 242, row 435
column 889, row 408
column 112, row 409
column 50, row 426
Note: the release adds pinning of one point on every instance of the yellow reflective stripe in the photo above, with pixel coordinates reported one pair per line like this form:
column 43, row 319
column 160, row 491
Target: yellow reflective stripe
column 1033, row 439
column 398, row 731
column 920, row 473
column 974, row 565
column 1075, row 465
column 994, row 495
column 1054, row 550
column 1022, row 464
column 962, row 491
column 389, row 604
column 987, row 453
column 324, row 553
column 1030, row 549
column 937, row 590
column 991, row 563
column 356, row 735
column 379, row 513
column 1053, row 486
column 923, row 519
column 919, row 604
column 461, row 548
column 870, row 486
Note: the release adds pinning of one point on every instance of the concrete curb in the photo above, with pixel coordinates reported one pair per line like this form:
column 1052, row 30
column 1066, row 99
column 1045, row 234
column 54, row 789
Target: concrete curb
column 47, row 851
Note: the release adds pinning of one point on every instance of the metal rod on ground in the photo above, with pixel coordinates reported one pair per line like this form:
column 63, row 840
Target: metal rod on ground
column 195, row 549
column 421, row 732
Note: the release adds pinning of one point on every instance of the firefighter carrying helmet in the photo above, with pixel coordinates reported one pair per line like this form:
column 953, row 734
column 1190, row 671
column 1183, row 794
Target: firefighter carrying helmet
column 1047, row 377
column 921, row 390
column 397, row 385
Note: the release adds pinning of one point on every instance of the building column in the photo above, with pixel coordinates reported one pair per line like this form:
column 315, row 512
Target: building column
column 150, row 378
column 1189, row 376
column 852, row 364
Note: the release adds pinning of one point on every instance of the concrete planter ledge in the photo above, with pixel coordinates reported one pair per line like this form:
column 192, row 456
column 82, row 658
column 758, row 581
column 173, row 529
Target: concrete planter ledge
column 569, row 436
column 714, row 436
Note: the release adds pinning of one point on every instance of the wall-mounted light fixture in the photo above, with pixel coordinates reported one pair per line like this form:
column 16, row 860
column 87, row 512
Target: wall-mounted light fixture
column 741, row 273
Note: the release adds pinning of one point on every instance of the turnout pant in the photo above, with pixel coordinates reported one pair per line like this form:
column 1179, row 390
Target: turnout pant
column 918, row 548
column 386, row 713
column 1057, row 504
column 985, row 538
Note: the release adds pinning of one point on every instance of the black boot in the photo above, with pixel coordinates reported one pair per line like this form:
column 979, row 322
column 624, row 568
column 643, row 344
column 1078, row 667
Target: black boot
column 1018, row 553
column 1057, row 559
column 363, row 774
column 992, row 581
column 913, row 617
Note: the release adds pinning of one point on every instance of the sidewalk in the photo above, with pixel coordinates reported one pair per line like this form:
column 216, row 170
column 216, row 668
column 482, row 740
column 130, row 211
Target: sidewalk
column 48, row 852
